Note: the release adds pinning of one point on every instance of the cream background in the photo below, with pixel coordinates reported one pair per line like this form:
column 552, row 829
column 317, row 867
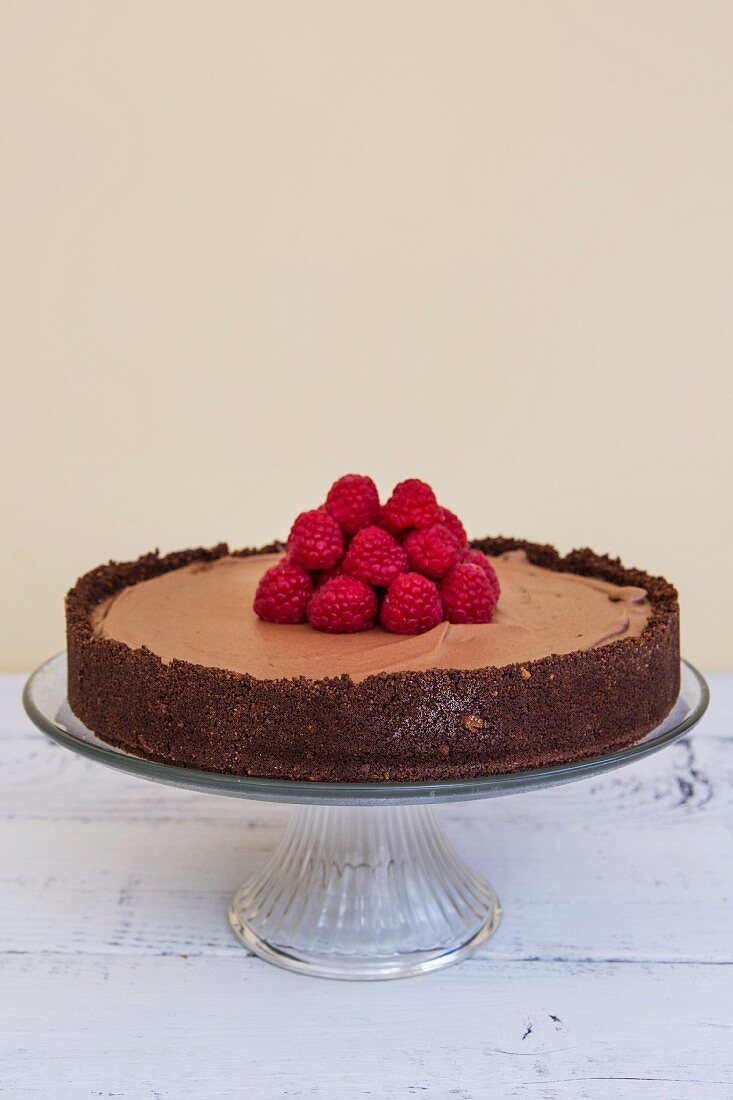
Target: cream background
column 249, row 246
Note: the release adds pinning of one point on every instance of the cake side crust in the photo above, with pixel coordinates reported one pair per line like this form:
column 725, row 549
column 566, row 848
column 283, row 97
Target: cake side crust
column 403, row 726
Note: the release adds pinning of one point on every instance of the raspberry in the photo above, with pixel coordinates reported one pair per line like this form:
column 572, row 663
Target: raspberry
column 283, row 593
column 375, row 557
column 476, row 557
column 451, row 521
column 468, row 595
column 412, row 605
column 343, row 605
column 353, row 501
column 412, row 504
column 315, row 540
column 433, row 551
column 328, row 574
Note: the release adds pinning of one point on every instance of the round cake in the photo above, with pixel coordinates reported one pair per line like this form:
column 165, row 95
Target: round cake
column 169, row 660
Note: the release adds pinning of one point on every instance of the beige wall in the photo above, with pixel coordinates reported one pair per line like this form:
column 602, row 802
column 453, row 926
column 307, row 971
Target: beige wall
column 251, row 245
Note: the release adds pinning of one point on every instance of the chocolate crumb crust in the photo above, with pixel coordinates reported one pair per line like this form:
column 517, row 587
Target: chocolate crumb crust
column 399, row 726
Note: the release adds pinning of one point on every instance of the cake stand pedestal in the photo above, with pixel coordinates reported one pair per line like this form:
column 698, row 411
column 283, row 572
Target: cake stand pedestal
column 364, row 883
column 359, row 892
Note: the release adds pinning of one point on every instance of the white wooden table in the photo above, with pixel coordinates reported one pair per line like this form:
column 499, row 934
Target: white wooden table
column 610, row 977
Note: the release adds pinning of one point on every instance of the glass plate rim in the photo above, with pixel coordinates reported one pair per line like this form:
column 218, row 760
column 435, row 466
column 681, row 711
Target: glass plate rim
column 305, row 791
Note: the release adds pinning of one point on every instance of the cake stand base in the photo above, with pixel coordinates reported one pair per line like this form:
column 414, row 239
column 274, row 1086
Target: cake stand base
column 364, row 892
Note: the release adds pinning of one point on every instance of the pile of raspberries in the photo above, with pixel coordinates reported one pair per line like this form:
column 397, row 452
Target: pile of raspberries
column 354, row 562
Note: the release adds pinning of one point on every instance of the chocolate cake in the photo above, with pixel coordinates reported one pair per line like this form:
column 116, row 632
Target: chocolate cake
column 153, row 671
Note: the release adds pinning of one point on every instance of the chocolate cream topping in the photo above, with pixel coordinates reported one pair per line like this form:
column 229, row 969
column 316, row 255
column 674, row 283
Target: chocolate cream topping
column 202, row 613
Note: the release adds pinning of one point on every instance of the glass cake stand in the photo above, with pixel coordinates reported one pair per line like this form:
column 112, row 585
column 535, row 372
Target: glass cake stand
column 364, row 883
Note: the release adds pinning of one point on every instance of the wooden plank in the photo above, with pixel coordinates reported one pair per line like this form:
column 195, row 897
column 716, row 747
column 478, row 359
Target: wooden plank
column 177, row 1028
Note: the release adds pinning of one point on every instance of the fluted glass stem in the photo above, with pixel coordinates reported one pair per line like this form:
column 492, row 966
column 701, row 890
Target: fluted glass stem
column 364, row 892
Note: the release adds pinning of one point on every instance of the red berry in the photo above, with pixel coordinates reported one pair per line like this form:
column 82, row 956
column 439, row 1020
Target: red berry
column 451, row 521
column 468, row 595
column 375, row 557
column 353, row 501
column 327, row 574
column 433, row 551
column 476, row 557
column 283, row 593
column 380, row 520
column 412, row 504
column 343, row 605
column 315, row 540
column 412, row 605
